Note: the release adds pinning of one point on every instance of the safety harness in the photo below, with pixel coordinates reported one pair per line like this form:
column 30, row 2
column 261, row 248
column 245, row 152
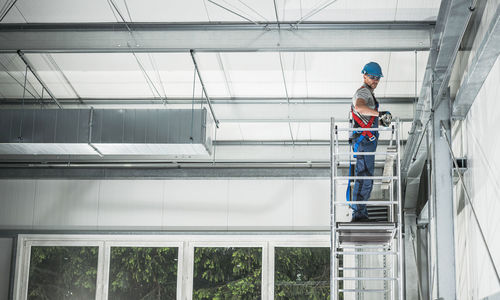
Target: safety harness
column 357, row 137
column 359, row 123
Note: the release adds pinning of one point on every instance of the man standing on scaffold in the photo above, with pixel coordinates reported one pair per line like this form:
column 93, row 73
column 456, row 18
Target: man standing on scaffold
column 365, row 114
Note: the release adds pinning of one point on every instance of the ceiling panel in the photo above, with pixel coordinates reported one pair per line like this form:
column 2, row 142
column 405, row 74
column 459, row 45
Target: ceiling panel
column 14, row 15
column 54, row 11
column 256, row 74
column 163, row 11
column 99, row 75
column 215, row 77
column 34, row 11
column 12, row 79
column 334, row 11
column 241, row 10
column 265, row 131
column 411, row 10
column 360, row 10
column 174, row 70
column 225, row 75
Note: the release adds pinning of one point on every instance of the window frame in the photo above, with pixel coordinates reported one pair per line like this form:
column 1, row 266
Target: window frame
column 185, row 242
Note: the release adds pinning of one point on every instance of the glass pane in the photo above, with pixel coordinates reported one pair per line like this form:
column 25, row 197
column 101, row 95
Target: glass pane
column 227, row 273
column 143, row 273
column 62, row 273
column 302, row 273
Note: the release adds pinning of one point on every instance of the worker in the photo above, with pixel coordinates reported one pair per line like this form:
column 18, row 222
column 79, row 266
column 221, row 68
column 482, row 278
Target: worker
column 365, row 114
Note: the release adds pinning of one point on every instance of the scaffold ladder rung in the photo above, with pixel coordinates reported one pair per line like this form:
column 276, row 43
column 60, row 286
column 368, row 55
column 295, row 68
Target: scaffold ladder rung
column 365, row 278
column 362, row 290
column 367, row 203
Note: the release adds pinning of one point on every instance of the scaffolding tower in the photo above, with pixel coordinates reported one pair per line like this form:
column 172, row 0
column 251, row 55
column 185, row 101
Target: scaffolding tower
column 367, row 257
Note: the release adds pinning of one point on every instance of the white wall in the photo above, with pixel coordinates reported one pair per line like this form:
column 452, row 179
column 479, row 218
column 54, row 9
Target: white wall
column 217, row 204
column 477, row 138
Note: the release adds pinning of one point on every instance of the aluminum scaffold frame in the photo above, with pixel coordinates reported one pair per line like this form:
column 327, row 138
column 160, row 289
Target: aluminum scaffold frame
column 361, row 239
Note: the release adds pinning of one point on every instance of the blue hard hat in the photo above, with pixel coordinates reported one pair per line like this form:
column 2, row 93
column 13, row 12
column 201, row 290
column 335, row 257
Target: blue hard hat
column 372, row 68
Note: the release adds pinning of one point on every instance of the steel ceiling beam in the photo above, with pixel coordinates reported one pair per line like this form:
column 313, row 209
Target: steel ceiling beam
column 483, row 61
column 220, row 37
column 220, row 100
column 453, row 17
column 165, row 173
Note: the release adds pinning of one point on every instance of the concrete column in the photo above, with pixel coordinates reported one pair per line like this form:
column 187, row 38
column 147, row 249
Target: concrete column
column 443, row 200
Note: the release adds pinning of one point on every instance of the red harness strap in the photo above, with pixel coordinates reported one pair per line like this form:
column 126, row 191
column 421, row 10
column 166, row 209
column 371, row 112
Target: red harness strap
column 360, row 122
column 363, row 125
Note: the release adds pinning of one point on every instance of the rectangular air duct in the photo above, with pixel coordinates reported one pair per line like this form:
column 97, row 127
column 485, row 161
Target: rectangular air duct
column 179, row 132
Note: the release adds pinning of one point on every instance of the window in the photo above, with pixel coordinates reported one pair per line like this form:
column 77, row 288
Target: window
column 302, row 273
column 143, row 273
column 62, row 272
column 172, row 266
column 227, row 273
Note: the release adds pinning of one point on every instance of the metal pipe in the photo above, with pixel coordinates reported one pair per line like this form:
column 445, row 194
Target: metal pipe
column 28, row 64
column 401, row 252
column 429, row 218
column 91, row 123
column 333, row 242
column 204, row 89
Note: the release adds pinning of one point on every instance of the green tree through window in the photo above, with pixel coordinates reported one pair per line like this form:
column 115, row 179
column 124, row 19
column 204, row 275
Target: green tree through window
column 62, row 273
column 143, row 273
column 227, row 273
column 302, row 273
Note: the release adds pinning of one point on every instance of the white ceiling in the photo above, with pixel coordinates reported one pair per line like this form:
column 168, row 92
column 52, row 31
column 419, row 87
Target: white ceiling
column 255, row 74
column 239, row 74
column 33, row 11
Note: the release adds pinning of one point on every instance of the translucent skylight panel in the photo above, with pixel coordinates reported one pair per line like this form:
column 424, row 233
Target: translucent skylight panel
column 163, row 11
column 241, row 10
column 265, row 131
column 175, row 71
column 48, row 69
column 99, row 75
column 360, row 10
column 229, row 131
column 311, row 130
column 338, row 74
column 402, row 66
column 14, row 16
column 295, row 66
column 12, row 78
column 53, row 11
column 215, row 77
column 335, row 11
column 411, row 10
column 255, row 74
column 402, row 89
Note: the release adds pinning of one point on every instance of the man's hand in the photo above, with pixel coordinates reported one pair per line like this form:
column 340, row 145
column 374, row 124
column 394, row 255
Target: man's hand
column 385, row 118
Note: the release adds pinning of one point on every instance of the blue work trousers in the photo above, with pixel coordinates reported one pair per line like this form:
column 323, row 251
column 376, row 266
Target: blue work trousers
column 364, row 167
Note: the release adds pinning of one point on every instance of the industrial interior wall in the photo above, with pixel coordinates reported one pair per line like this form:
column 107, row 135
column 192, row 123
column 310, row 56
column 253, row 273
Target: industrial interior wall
column 476, row 138
column 147, row 204
column 5, row 263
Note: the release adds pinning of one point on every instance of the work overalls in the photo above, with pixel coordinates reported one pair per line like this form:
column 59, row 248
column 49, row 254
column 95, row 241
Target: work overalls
column 363, row 141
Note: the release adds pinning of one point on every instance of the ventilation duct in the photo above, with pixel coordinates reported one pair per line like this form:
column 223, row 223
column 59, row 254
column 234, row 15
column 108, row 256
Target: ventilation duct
column 179, row 132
